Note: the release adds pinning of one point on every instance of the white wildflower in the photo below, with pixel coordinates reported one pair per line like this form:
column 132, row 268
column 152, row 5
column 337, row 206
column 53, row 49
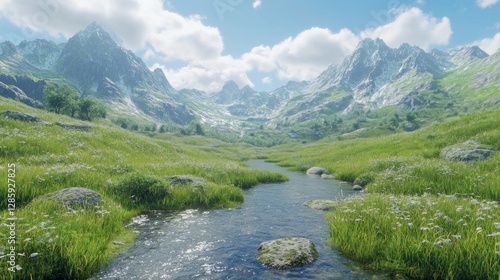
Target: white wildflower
column 33, row 228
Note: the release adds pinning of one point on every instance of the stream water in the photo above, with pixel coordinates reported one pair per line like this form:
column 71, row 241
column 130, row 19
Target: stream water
column 222, row 244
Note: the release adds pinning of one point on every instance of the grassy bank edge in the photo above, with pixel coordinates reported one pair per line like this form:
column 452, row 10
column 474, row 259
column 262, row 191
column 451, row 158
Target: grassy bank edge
column 407, row 167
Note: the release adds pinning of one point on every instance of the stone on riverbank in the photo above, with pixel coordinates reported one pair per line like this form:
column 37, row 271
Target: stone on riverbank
column 287, row 253
column 320, row 204
column 317, row 171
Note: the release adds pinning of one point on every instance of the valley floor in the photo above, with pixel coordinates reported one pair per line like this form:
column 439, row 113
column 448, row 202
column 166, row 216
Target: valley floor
column 422, row 217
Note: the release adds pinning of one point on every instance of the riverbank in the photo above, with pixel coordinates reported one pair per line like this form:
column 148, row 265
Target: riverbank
column 425, row 216
column 132, row 173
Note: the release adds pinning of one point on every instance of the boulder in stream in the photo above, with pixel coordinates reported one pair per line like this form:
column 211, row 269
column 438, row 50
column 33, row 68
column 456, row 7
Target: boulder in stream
column 317, row 171
column 321, row 204
column 287, row 253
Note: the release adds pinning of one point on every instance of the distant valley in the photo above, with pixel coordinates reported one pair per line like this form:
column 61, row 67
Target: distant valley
column 376, row 88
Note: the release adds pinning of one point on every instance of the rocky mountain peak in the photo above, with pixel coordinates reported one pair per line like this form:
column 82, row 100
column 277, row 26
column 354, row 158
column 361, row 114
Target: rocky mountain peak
column 7, row 48
column 40, row 53
column 464, row 55
column 230, row 86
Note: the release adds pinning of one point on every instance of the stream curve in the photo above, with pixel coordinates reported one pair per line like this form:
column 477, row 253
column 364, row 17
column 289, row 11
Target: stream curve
column 223, row 243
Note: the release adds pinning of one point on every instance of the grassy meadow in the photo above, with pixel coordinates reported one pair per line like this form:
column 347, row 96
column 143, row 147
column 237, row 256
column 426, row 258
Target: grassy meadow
column 128, row 169
column 422, row 217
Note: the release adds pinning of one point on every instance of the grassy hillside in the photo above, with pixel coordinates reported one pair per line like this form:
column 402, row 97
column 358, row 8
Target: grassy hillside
column 424, row 217
column 120, row 165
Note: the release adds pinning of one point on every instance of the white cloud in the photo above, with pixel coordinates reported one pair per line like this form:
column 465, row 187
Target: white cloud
column 209, row 75
column 489, row 45
column 256, row 4
column 267, row 80
column 486, row 3
column 304, row 56
column 414, row 27
column 140, row 24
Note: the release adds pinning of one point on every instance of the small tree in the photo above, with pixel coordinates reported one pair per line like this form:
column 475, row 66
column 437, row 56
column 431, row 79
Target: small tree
column 91, row 108
column 61, row 99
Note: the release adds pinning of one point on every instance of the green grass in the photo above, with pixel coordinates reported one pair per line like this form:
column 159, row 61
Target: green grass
column 61, row 244
column 425, row 217
column 116, row 163
column 423, row 237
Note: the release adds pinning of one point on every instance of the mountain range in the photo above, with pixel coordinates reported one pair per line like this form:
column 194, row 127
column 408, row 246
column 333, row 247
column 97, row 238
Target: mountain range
column 373, row 78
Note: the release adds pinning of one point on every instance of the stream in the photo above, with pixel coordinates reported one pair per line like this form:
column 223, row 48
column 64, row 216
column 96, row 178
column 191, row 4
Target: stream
column 223, row 243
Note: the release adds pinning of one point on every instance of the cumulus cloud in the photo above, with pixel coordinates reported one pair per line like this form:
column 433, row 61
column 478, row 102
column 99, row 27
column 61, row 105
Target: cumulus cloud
column 304, row 56
column 208, row 75
column 414, row 27
column 140, row 24
column 256, row 4
column 486, row 3
column 489, row 45
column 267, row 80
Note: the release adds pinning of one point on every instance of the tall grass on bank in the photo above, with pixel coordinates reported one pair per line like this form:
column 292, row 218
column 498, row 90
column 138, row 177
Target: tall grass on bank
column 53, row 242
column 142, row 191
column 424, row 237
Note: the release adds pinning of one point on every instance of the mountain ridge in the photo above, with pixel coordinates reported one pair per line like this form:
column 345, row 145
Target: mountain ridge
column 373, row 77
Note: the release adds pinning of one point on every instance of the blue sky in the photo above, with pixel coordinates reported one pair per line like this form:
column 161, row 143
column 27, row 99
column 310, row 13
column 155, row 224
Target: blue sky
column 203, row 43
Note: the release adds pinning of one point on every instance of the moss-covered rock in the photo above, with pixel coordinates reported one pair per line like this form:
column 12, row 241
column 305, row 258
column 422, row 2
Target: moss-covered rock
column 287, row 253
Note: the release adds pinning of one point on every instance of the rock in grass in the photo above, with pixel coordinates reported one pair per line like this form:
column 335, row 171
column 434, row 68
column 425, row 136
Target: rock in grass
column 20, row 116
column 469, row 151
column 317, row 171
column 327, row 176
column 187, row 180
column 287, row 253
column 73, row 126
column 77, row 197
column 320, row 204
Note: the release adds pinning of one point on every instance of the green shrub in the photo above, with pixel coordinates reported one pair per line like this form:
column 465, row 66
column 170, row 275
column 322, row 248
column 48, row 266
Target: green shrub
column 139, row 190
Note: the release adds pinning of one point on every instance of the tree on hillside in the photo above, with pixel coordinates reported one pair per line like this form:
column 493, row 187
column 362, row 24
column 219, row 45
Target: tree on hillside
column 91, row 108
column 61, row 99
